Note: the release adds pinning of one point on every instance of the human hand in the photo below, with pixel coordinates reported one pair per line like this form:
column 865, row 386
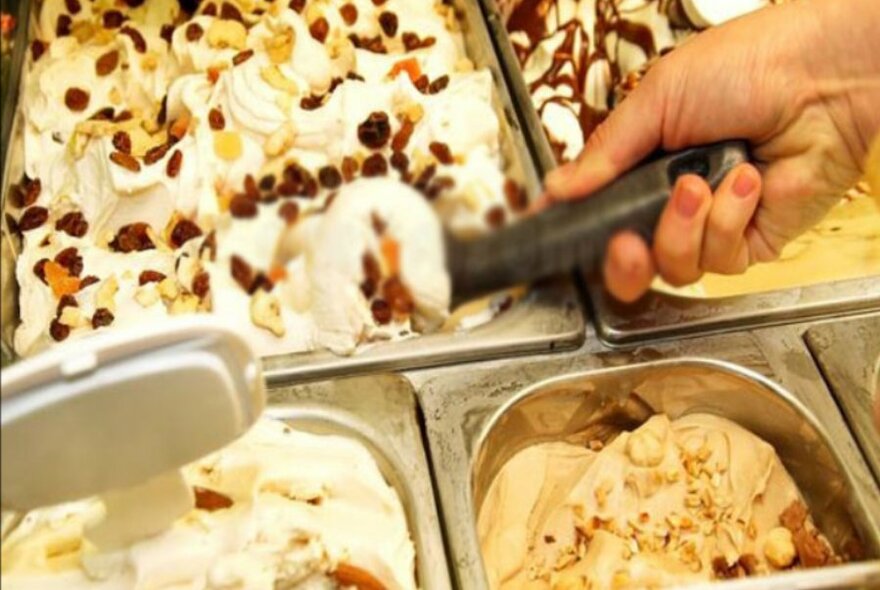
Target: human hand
column 796, row 81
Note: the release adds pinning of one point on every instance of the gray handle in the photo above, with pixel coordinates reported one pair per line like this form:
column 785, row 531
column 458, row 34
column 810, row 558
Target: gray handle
column 574, row 234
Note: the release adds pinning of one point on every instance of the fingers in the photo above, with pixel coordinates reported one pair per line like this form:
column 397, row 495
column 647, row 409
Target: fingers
column 678, row 239
column 630, row 133
column 629, row 267
column 725, row 248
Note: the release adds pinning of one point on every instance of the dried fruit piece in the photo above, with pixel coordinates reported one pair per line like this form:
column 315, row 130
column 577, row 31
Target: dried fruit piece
column 381, row 311
column 194, row 32
column 140, row 44
column 400, row 162
column 184, row 231
column 349, row 13
column 112, row 19
column 229, row 11
column 515, row 195
column 289, row 212
column 297, row 5
column 32, row 218
column 349, row 576
column 166, row 32
column 40, row 269
column 330, row 177
column 156, row 153
column 375, row 131
column 102, row 317
column 390, row 250
column 242, row 207
column 59, row 279
column 411, row 41
column 65, row 301
column 398, row 296
column 105, row 64
column 216, row 119
column 442, row 152
column 63, row 25
column 150, row 276
column 319, row 29
column 349, row 168
column 438, row 85
column 73, row 6
column 495, row 216
column 210, row 9
column 409, row 65
column 201, row 284
column 58, row 331
column 242, row 56
column 388, row 22
column 127, row 161
column 179, row 127
column 76, row 99
column 132, row 237
column 38, row 48
column 375, row 165
column 172, row 168
column 70, row 259
column 122, row 142
column 210, row 500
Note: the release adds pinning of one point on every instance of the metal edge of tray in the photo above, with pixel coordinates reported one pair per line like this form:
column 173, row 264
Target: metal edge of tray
column 660, row 316
column 549, row 318
column 459, row 405
column 380, row 411
column 847, row 353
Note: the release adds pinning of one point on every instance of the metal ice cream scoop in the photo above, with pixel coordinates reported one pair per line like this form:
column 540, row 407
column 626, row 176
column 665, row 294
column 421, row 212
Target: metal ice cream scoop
column 119, row 410
column 574, row 234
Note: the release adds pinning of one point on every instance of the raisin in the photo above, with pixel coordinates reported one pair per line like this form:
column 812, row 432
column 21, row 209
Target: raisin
column 73, row 224
column 379, row 225
column 373, row 44
column 289, row 212
column 250, row 187
column 438, row 85
column 150, row 276
column 375, row 165
column 425, row 177
column 122, row 142
column 194, row 32
column 495, row 216
column 401, row 138
column 38, row 48
column 172, row 168
column 107, row 63
column 132, row 237
column 66, row 300
column 398, row 296
column 379, row 2
column 32, row 218
column 381, row 311
column 438, row 185
column 73, row 6
column 211, row 501
column 140, row 44
column 76, row 99
column 229, row 11
column 124, row 115
column 105, row 114
column 319, row 29
column 216, row 119
column 422, row 83
column 59, row 331
column 134, row 3
column 184, row 231
column 242, row 56
column 349, row 13
column 411, row 41
column 167, row 32
column 349, row 168
column 156, row 153
column 162, row 115
column 242, row 206
column 515, row 195
column 400, row 162
column 112, row 19
column 388, row 22
column 311, row 102
column 127, row 161
column 267, row 182
column 40, row 269
column 442, row 152
column 330, row 177
column 370, row 266
column 87, row 281
column 70, row 259
column 201, row 284
column 63, row 25
column 210, row 9
column 297, row 5
column 375, row 131
column 241, row 272
column 102, row 317
column 26, row 193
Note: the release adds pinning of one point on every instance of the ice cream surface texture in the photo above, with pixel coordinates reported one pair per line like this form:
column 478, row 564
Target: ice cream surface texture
column 278, row 508
column 697, row 498
column 168, row 155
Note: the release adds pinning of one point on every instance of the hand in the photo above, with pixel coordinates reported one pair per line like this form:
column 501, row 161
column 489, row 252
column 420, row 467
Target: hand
column 795, row 80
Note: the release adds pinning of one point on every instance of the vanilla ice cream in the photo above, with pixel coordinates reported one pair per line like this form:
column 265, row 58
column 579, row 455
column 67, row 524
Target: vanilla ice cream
column 209, row 162
column 694, row 499
column 278, row 508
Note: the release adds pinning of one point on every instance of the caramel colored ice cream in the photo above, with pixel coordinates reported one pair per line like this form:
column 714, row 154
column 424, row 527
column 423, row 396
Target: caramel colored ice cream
column 694, row 499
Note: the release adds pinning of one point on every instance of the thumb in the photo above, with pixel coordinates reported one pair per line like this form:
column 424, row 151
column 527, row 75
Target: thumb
column 630, row 133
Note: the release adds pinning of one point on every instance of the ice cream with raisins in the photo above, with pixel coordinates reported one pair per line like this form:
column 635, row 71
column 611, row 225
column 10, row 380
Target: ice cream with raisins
column 169, row 157
column 693, row 499
column 278, row 508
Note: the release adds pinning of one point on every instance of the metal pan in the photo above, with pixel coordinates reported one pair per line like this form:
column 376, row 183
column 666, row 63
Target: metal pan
column 548, row 318
column 660, row 316
column 848, row 354
column 380, row 412
column 476, row 421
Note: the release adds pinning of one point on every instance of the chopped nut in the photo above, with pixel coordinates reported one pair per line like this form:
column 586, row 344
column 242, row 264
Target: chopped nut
column 106, row 295
column 266, row 312
column 779, row 548
column 168, row 288
column 147, row 295
column 184, row 303
column 224, row 34
column 72, row 317
column 280, row 47
column 644, row 449
column 276, row 79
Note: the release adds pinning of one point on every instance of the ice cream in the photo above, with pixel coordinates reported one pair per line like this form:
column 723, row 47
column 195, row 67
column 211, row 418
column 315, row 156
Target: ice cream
column 278, row 508
column 169, row 155
column 694, row 499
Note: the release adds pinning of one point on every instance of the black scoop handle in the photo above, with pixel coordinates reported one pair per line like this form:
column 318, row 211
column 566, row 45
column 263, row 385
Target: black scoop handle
column 574, row 234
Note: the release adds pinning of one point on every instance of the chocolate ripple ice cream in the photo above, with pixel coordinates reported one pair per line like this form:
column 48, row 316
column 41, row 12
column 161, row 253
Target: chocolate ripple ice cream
column 200, row 157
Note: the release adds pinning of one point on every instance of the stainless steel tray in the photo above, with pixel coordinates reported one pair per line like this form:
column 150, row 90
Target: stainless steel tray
column 848, row 354
column 380, row 412
column 474, row 422
column 659, row 316
column 548, row 318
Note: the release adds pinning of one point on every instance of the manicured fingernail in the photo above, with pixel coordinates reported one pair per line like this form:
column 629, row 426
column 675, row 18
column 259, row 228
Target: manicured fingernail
column 745, row 184
column 687, row 200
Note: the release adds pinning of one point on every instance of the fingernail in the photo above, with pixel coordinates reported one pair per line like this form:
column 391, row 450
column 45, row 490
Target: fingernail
column 745, row 184
column 560, row 176
column 687, row 200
